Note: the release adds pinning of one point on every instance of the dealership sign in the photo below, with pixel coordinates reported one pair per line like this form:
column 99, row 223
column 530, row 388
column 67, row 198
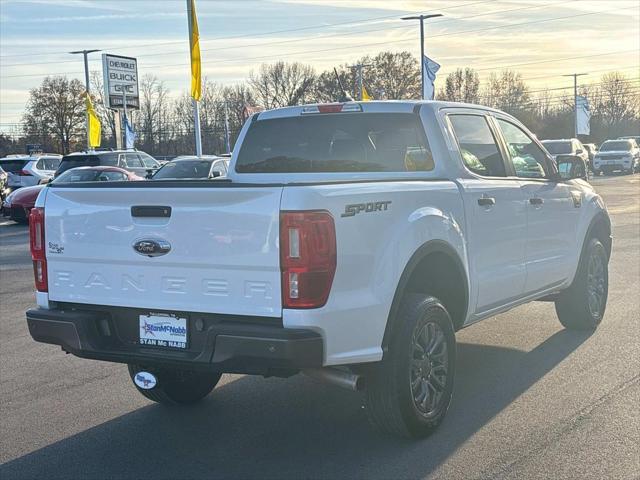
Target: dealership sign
column 120, row 81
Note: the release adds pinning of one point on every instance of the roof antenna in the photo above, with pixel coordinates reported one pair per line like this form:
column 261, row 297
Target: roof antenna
column 345, row 96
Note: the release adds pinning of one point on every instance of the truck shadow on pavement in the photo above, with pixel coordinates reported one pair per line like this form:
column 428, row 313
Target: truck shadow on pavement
column 291, row 428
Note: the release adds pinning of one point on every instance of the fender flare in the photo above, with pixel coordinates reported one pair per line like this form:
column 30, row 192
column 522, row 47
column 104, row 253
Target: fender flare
column 598, row 218
column 432, row 246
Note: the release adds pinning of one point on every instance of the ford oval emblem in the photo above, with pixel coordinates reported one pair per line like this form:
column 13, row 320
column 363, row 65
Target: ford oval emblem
column 152, row 248
column 145, row 380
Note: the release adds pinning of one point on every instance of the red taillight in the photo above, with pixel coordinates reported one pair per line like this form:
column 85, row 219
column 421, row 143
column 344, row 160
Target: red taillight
column 307, row 258
column 37, row 244
column 330, row 108
column 24, row 173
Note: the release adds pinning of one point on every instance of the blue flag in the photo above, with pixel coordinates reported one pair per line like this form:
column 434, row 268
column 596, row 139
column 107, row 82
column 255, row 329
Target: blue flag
column 430, row 68
column 129, row 134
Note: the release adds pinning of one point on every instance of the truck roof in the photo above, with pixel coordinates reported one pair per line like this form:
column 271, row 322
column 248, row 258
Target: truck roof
column 375, row 106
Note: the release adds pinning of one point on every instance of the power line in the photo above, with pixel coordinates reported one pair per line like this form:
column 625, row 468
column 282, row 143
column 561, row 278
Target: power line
column 160, row 66
column 273, row 32
column 317, row 37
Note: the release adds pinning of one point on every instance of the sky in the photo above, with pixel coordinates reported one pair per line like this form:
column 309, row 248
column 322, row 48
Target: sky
column 542, row 39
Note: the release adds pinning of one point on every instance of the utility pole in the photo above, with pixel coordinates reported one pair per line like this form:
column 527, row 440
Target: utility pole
column 359, row 79
column 422, row 18
column 86, row 83
column 575, row 100
column 124, row 111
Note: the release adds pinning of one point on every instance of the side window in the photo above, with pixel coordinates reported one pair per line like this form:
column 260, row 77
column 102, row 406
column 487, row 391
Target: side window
column 51, row 163
column 40, row 165
column 111, row 177
column 477, row 145
column 133, row 161
column 529, row 161
column 219, row 167
column 148, row 161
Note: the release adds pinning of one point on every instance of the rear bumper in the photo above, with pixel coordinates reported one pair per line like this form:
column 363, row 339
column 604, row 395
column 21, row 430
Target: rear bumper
column 19, row 213
column 222, row 343
column 614, row 165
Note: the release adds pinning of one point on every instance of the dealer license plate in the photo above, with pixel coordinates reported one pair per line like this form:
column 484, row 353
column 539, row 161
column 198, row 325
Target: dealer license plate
column 163, row 330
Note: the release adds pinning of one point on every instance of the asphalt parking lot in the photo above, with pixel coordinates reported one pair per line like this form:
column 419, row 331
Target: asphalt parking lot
column 531, row 400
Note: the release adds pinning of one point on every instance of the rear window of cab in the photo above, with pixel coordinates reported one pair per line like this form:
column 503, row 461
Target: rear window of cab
column 13, row 166
column 343, row 142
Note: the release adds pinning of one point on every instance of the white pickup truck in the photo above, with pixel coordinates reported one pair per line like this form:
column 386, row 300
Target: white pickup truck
column 349, row 241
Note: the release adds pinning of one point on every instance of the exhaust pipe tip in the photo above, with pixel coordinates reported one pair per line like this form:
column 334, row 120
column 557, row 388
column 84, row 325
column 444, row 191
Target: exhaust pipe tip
column 338, row 377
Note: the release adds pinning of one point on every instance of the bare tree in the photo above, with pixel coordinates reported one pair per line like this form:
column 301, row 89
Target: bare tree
column 390, row 75
column 507, row 91
column 327, row 88
column 394, row 76
column 57, row 107
column 281, row 84
column 239, row 100
column 461, row 86
column 615, row 100
column 155, row 113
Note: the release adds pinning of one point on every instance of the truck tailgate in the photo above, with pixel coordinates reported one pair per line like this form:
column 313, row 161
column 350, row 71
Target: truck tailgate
column 222, row 246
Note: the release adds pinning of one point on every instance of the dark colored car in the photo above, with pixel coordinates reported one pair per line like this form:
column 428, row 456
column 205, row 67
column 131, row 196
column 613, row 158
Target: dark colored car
column 132, row 160
column 192, row 167
column 23, row 200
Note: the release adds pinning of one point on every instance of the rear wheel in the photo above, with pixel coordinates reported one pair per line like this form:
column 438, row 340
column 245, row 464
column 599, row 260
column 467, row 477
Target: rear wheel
column 409, row 392
column 582, row 305
column 176, row 387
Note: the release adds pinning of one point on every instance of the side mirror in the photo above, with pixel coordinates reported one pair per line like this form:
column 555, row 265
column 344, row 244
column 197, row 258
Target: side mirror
column 150, row 172
column 579, row 151
column 215, row 174
column 570, row 166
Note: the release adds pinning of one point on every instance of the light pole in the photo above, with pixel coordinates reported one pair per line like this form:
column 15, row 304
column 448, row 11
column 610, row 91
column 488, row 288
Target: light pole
column 359, row 78
column 422, row 18
column 86, row 82
column 575, row 100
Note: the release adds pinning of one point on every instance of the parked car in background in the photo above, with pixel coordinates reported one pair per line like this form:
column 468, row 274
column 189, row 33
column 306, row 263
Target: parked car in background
column 22, row 200
column 591, row 149
column 622, row 155
column 26, row 170
column 631, row 137
column 192, row 167
column 567, row 146
column 4, row 189
column 131, row 160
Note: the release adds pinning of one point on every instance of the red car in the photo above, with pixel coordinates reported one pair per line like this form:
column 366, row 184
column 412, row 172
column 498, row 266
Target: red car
column 21, row 201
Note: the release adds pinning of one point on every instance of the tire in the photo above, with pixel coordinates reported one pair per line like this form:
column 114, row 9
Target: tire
column 394, row 386
column 582, row 305
column 177, row 387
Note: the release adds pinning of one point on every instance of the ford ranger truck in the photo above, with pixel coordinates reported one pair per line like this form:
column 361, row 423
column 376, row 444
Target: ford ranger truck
column 349, row 241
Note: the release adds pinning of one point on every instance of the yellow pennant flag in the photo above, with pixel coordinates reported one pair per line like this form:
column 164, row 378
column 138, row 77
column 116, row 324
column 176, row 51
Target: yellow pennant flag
column 194, row 43
column 365, row 94
column 94, row 124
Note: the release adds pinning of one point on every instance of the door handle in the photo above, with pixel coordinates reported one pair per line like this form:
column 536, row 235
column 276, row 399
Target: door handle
column 536, row 201
column 486, row 201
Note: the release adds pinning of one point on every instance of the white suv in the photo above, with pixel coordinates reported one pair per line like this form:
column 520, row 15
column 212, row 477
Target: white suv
column 25, row 170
